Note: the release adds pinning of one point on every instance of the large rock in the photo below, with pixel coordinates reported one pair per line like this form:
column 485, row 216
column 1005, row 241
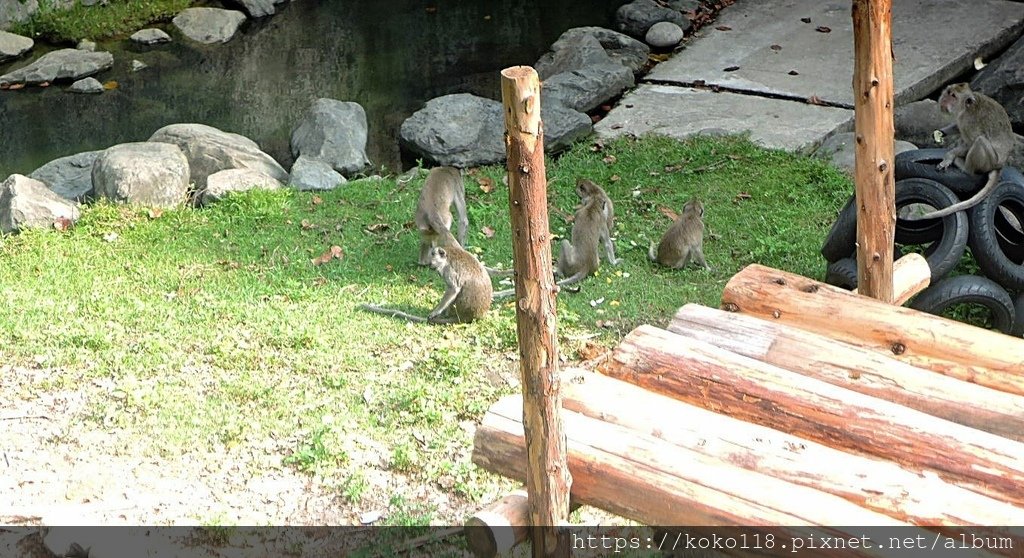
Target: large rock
column 209, row 25
column 150, row 36
column 26, row 202
column 64, row 64
column 13, row 46
column 69, row 177
column 15, row 11
column 220, row 184
column 586, row 88
column 209, row 150
column 313, row 174
column 840, row 150
column 335, row 133
column 664, row 34
column 257, row 8
column 573, row 51
column 460, row 130
column 1003, row 80
column 916, row 122
column 87, row 85
column 638, row 16
column 563, row 126
column 146, row 173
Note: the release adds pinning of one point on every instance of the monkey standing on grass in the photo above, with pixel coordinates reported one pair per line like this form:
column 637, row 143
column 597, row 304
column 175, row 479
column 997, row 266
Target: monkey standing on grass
column 443, row 187
column 986, row 140
column 683, row 242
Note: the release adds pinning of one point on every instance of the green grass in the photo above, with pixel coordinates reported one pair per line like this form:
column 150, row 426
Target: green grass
column 206, row 329
column 114, row 18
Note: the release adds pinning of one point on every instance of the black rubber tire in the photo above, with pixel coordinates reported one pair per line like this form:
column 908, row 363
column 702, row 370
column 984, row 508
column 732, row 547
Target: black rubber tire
column 1018, row 314
column 842, row 237
column 969, row 289
column 921, row 163
column 842, row 273
column 996, row 245
column 920, row 190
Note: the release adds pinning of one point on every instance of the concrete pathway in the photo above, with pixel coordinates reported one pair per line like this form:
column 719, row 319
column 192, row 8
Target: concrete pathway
column 762, row 59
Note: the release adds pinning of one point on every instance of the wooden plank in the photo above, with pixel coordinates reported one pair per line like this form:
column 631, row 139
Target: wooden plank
column 910, row 275
column 855, row 368
column 952, row 348
column 548, row 481
column 722, row 381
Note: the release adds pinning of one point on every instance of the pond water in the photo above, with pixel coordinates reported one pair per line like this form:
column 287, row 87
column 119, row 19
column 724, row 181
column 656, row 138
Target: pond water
column 388, row 55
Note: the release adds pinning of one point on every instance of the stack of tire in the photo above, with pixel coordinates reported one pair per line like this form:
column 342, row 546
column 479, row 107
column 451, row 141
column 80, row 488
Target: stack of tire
column 993, row 229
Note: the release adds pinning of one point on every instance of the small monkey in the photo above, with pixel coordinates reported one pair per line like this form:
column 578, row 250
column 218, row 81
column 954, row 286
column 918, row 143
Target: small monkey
column 442, row 188
column 591, row 228
column 986, row 140
column 467, row 294
column 683, row 242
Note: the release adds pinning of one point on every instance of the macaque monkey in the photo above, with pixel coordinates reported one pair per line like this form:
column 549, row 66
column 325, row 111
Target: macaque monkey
column 433, row 213
column 591, row 228
column 467, row 295
column 683, row 242
column 986, row 140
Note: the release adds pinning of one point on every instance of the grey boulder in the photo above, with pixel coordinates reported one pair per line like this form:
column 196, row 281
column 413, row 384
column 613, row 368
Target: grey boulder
column 840, row 150
column 145, row 173
column 459, row 130
column 313, row 174
column 586, row 88
column 562, row 126
column 335, row 133
column 636, row 17
column 573, row 51
column 64, row 64
column 916, row 122
column 208, row 25
column 26, row 202
column 69, row 177
column 87, row 85
column 221, row 183
column 151, row 36
column 209, row 150
column 257, row 8
column 13, row 46
column 664, row 34
column 1003, row 80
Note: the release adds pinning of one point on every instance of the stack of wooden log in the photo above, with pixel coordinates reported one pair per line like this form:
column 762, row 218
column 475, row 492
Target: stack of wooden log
column 797, row 403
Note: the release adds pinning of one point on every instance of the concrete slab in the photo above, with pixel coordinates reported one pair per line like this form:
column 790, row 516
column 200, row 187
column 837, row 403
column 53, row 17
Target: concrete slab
column 681, row 112
column 933, row 41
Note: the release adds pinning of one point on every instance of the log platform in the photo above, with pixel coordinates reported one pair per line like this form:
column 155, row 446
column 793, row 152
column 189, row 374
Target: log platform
column 796, row 403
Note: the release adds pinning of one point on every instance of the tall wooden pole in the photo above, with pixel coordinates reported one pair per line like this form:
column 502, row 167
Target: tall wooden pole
column 873, row 127
column 548, row 480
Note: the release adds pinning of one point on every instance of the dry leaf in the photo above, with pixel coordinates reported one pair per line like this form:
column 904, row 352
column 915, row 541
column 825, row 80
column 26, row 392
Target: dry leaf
column 614, row 178
column 591, row 350
column 597, row 146
column 674, row 168
column 488, row 232
column 794, row 73
column 306, row 225
column 110, row 237
column 44, row 84
column 62, row 223
column 805, row 19
column 815, row 100
column 979, row 63
column 431, row 9
column 776, row 47
column 742, row 196
column 606, row 324
column 823, row 29
column 609, row 160
column 331, row 253
column 155, row 212
column 486, row 184
column 110, row 85
column 724, row 28
column 731, row 69
column 16, row 86
column 378, row 227
column 317, row 200
column 667, row 212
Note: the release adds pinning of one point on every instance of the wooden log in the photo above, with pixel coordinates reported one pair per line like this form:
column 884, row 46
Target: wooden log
column 910, row 275
column 952, row 348
column 877, row 485
column 501, row 526
column 873, row 174
column 548, row 481
column 722, row 381
column 855, row 368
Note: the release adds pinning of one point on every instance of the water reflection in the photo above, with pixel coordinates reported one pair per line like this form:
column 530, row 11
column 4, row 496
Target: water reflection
column 388, row 55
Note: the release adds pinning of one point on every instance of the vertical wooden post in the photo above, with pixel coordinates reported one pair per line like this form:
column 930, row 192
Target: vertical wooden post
column 873, row 127
column 548, row 480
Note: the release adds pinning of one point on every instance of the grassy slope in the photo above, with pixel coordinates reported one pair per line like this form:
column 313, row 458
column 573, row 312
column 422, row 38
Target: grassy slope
column 212, row 328
column 115, row 18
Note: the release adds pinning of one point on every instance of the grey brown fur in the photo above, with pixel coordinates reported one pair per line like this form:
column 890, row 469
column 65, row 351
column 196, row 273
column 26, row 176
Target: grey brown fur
column 442, row 188
column 985, row 143
column 683, row 242
column 591, row 228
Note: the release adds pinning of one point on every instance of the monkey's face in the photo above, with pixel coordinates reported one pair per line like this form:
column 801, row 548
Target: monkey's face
column 438, row 257
column 953, row 96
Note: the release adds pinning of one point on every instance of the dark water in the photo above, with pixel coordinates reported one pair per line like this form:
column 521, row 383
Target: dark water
column 388, row 55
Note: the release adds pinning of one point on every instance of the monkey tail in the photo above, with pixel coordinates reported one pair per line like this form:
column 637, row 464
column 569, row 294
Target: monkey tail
column 575, row 278
column 391, row 312
column 652, row 253
column 993, row 179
